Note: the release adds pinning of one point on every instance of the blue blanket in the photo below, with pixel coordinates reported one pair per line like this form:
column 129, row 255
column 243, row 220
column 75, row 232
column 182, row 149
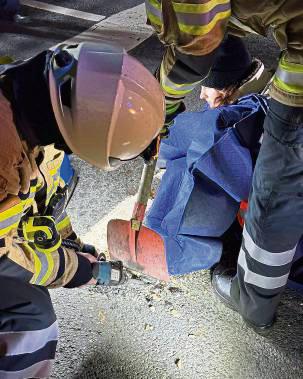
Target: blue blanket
column 209, row 159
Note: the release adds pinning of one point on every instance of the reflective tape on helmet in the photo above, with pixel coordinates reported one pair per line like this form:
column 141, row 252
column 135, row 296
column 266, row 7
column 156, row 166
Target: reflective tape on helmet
column 154, row 12
column 289, row 77
column 200, row 19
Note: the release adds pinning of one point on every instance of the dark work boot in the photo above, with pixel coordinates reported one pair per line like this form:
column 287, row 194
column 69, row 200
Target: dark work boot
column 222, row 278
column 221, row 282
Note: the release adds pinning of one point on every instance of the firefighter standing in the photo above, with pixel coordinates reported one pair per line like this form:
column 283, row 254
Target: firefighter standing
column 89, row 99
column 193, row 30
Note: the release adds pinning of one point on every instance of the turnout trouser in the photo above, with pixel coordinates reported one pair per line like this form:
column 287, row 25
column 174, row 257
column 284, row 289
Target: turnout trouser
column 28, row 330
column 274, row 221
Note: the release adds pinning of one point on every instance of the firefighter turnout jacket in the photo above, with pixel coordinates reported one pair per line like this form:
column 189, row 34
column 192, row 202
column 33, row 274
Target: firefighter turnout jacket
column 29, row 178
column 192, row 30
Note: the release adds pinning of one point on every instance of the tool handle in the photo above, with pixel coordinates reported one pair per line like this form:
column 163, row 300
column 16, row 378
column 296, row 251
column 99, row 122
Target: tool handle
column 144, row 190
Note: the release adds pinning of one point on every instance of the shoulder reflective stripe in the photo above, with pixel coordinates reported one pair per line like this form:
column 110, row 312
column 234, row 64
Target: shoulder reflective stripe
column 153, row 11
column 264, row 256
column 258, row 280
column 196, row 30
column 197, row 19
column 38, row 370
column 205, row 7
column 28, row 341
column 173, row 88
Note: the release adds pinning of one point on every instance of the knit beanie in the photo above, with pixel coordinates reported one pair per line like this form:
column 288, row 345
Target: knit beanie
column 231, row 66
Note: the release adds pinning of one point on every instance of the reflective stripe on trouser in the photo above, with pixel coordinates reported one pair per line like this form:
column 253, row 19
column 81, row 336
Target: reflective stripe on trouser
column 274, row 221
column 181, row 73
column 28, row 330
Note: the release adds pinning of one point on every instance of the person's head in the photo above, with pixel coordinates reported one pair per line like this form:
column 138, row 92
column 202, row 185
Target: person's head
column 107, row 105
column 232, row 65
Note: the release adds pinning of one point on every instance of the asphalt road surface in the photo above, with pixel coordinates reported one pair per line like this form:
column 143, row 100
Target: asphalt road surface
column 146, row 329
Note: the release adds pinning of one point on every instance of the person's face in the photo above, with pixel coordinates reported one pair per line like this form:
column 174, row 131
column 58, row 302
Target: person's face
column 213, row 96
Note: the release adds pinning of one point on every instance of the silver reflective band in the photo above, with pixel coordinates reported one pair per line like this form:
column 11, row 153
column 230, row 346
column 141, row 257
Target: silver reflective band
column 153, row 10
column 28, row 341
column 258, row 280
column 165, row 81
column 200, row 19
column 10, row 221
column 264, row 256
column 44, row 266
column 61, row 217
column 38, row 370
column 290, row 78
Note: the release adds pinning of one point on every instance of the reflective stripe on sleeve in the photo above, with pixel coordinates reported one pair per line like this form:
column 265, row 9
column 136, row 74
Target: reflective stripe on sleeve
column 174, row 88
column 63, row 221
column 196, row 30
column 258, row 280
column 289, row 77
column 44, row 266
column 205, row 7
column 200, row 19
column 264, row 256
column 154, row 12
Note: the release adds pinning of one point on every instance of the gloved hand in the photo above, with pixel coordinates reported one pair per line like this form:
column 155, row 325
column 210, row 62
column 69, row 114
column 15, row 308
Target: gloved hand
column 92, row 260
column 105, row 273
column 90, row 249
